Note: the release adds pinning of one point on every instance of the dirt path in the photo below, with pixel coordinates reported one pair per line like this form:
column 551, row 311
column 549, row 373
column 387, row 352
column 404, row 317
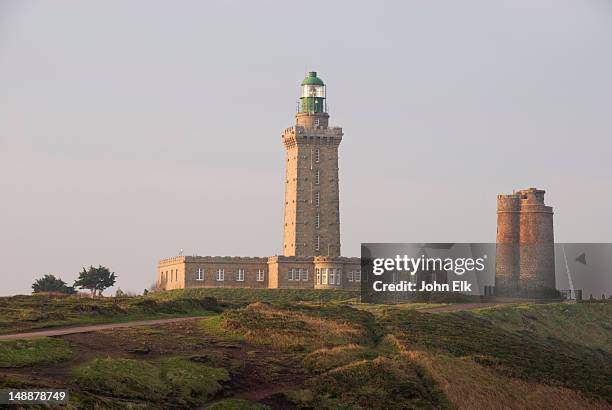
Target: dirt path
column 60, row 331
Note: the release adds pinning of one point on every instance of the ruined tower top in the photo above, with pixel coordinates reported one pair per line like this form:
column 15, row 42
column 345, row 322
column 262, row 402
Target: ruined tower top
column 525, row 200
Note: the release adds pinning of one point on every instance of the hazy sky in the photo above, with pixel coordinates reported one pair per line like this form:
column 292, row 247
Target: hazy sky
column 131, row 129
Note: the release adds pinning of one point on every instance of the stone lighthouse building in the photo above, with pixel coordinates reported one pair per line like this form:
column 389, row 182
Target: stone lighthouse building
column 312, row 213
column 525, row 254
column 311, row 247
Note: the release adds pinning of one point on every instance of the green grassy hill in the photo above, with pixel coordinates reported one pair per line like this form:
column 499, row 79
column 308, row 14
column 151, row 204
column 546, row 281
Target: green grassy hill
column 22, row 313
column 310, row 349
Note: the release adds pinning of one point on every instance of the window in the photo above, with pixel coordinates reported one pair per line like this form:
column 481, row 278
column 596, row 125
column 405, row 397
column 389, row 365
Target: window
column 305, row 275
column 317, row 198
column 220, row 277
column 338, row 276
column 200, row 274
column 357, row 276
column 297, row 273
column 318, row 243
column 318, row 220
column 317, row 176
column 413, row 278
column 349, row 276
column 290, row 274
column 332, row 276
column 318, row 273
column 240, row 275
column 261, row 274
column 316, row 122
column 317, row 154
column 324, row 276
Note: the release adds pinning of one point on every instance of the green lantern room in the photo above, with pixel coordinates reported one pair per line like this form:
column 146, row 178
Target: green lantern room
column 312, row 99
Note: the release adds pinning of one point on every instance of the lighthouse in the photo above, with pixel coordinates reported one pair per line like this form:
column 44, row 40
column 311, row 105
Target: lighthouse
column 312, row 212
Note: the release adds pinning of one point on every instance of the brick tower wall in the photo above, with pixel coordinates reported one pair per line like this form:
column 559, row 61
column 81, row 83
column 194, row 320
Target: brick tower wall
column 536, row 241
column 525, row 257
column 507, row 260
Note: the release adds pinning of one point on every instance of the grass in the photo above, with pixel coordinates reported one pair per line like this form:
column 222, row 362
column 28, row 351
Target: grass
column 20, row 353
column 528, row 356
column 323, row 360
column 22, row 313
column 237, row 404
column 243, row 296
column 390, row 346
column 216, row 326
column 170, row 379
column 469, row 385
column 382, row 383
column 379, row 309
column 292, row 330
column 343, row 312
column 587, row 324
column 324, row 348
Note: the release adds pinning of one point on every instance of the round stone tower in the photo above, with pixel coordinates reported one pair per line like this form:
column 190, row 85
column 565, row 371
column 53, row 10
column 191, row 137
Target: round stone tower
column 525, row 255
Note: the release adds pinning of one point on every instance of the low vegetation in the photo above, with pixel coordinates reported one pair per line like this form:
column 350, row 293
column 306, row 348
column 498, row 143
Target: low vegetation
column 587, row 324
column 175, row 378
column 323, row 360
column 295, row 330
column 469, row 385
column 324, row 350
column 19, row 353
column 242, row 296
column 236, row 404
column 530, row 356
column 23, row 313
column 382, row 383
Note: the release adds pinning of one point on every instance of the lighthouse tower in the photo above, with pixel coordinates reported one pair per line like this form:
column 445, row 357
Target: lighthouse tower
column 311, row 250
column 312, row 214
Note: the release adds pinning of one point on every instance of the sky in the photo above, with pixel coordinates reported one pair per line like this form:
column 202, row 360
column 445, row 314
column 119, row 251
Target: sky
column 130, row 130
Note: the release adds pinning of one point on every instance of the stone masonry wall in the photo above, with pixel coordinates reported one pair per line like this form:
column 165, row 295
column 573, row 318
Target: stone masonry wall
column 312, row 212
column 525, row 241
column 286, row 272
